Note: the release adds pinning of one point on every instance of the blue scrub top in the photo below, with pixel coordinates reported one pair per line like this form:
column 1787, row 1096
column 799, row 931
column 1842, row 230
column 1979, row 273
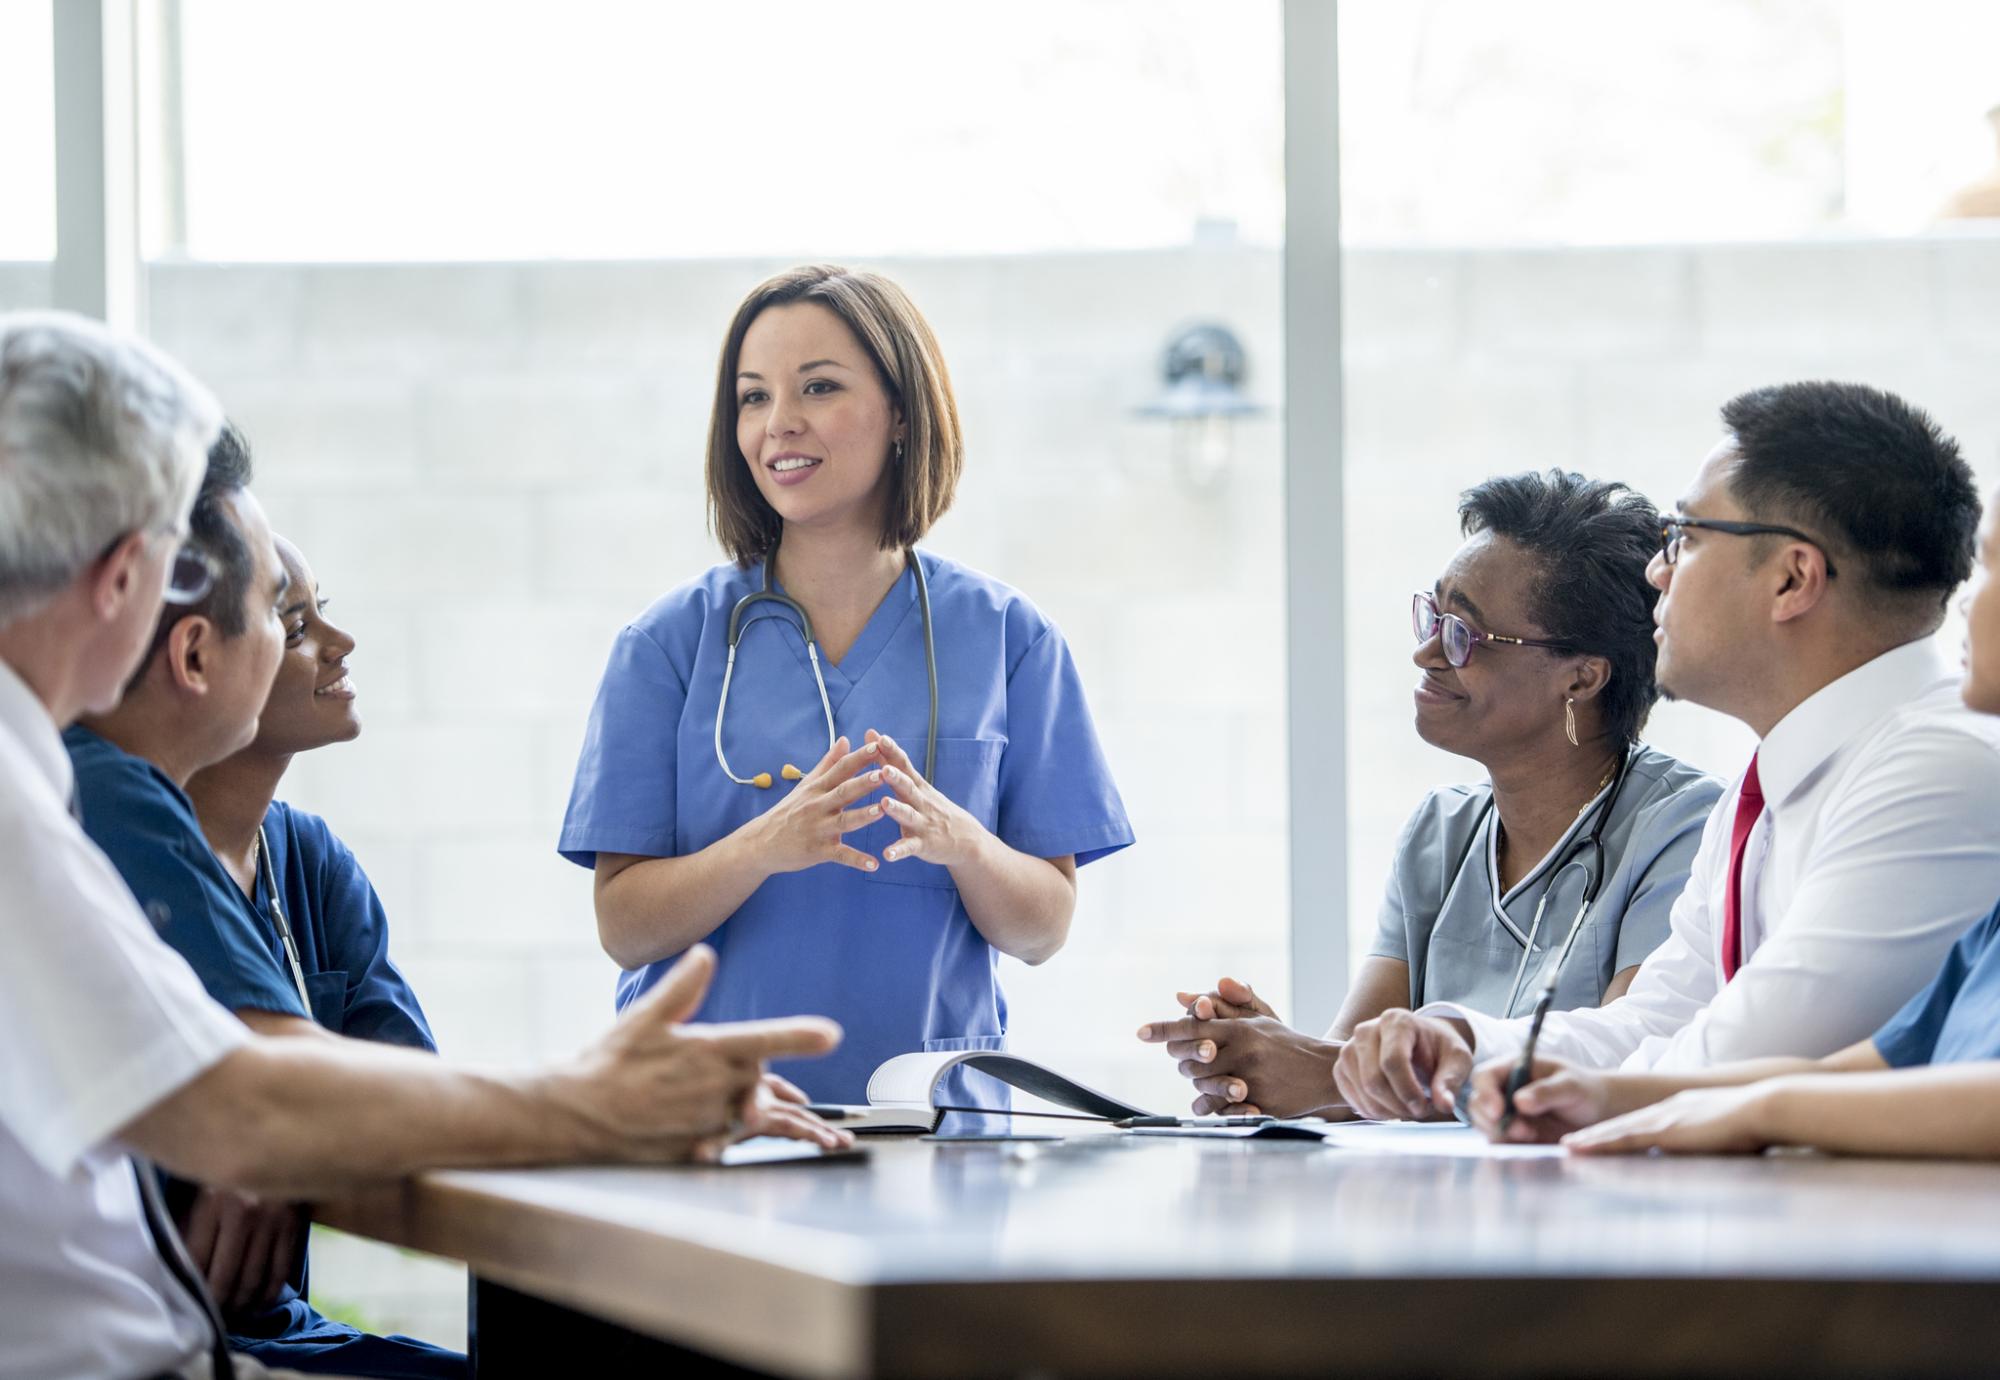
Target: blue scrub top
column 341, row 931
column 1957, row 1018
column 148, row 828
column 891, row 955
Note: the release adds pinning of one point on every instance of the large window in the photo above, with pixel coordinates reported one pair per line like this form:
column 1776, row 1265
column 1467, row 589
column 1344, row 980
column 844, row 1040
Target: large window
column 1574, row 122
column 626, row 129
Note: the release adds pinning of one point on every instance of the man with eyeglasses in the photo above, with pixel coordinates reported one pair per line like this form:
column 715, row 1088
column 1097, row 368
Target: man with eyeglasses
column 1802, row 582
column 109, row 1048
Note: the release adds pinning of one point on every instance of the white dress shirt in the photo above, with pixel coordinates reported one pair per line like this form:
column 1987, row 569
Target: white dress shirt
column 99, row 1020
column 1878, row 846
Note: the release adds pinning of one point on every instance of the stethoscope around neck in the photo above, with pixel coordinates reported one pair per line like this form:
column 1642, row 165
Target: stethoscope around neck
column 762, row 780
column 1593, row 874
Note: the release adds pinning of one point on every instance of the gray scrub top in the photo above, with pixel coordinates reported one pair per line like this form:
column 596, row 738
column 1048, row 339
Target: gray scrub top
column 1443, row 914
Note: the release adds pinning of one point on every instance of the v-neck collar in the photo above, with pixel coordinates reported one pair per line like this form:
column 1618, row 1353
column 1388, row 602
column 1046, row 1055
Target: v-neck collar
column 1500, row 902
column 842, row 676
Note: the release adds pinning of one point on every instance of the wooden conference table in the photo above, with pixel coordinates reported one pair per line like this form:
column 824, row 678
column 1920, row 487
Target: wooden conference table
column 1398, row 1251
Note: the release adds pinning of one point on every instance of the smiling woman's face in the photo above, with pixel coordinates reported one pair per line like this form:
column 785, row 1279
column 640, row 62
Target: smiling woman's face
column 312, row 700
column 813, row 420
column 1505, row 698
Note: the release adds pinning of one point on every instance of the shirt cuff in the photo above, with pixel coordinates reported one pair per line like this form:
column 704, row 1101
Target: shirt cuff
column 1492, row 1037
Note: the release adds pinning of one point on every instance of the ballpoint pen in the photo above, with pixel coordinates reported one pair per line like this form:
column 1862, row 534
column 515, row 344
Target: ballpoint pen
column 1525, row 1069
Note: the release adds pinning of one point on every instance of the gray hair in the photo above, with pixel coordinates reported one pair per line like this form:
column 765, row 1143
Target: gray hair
column 101, row 435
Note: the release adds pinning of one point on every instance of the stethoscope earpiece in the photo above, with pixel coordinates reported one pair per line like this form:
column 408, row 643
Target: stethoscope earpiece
column 790, row 773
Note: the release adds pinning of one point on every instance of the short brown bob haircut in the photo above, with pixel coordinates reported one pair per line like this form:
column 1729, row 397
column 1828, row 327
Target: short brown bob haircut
column 909, row 364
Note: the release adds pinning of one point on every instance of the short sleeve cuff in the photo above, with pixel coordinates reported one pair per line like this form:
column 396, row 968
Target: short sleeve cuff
column 123, row 1094
column 1085, row 845
column 581, row 845
column 1904, row 1046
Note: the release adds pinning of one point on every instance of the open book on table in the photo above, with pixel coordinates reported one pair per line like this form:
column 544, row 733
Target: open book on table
column 903, row 1097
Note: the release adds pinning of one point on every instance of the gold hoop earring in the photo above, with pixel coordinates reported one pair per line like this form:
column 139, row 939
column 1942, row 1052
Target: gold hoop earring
column 1569, row 722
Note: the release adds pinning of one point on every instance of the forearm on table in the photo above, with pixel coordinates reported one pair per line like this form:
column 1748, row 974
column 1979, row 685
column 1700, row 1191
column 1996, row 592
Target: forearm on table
column 1944, row 1111
column 652, row 908
column 1019, row 903
column 298, row 1118
column 1628, row 1092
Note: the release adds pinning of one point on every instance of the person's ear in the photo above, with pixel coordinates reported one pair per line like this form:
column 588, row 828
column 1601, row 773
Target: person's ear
column 189, row 653
column 1802, row 581
column 114, row 581
column 1588, row 677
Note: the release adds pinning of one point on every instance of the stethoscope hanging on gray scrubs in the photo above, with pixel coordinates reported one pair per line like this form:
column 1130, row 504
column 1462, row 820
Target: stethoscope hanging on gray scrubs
column 1593, row 881
column 762, row 780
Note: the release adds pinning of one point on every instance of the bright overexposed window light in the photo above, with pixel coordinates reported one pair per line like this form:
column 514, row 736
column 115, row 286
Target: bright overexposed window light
column 27, row 132
column 375, row 129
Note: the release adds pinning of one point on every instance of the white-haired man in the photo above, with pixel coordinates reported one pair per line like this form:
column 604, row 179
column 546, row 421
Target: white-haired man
column 108, row 1045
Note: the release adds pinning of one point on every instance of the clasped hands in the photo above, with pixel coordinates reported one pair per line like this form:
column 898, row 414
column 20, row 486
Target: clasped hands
column 1242, row 1059
column 807, row 826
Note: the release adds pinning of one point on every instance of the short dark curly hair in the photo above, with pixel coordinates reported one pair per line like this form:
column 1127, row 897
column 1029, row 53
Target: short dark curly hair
column 1868, row 473
column 1591, row 540
column 213, row 529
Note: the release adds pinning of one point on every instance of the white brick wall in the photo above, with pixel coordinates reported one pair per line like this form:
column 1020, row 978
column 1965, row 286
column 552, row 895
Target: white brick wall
column 492, row 466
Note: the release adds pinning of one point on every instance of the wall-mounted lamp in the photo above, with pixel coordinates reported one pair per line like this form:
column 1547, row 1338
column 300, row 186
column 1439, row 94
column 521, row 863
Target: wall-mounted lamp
column 1202, row 375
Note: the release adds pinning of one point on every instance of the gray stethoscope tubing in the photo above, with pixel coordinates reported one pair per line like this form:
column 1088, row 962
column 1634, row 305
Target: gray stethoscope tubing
column 284, row 925
column 812, row 655
column 1593, row 880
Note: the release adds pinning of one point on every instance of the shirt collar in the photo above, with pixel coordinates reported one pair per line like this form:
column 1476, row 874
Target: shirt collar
column 23, row 715
column 1826, row 720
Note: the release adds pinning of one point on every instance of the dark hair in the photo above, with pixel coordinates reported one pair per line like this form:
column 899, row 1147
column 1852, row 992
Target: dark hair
column 214, row 530
column 910, row 365
column 1869, row 474
column 1591, row 540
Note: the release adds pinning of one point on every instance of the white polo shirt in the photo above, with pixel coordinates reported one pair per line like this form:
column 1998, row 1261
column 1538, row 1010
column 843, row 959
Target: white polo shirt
column 1878, row 847
column 99, row 1020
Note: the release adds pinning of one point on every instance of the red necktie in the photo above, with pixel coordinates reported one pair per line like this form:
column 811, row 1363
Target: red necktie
column 1749, row 805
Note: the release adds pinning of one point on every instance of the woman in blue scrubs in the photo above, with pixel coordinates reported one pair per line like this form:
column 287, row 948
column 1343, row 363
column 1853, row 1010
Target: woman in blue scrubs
column 341, row 938
column 840, row 878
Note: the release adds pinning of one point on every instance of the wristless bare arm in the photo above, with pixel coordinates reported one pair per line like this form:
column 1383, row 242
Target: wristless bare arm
column 649, row 908
column 1630, row 1091
column 302, row 1117
column 1943, row 1111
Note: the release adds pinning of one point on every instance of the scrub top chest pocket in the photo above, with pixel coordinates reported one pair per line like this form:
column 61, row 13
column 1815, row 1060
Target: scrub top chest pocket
column 968, row 774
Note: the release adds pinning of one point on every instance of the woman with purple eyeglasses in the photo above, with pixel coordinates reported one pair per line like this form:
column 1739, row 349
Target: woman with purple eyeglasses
column 1559, row 872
